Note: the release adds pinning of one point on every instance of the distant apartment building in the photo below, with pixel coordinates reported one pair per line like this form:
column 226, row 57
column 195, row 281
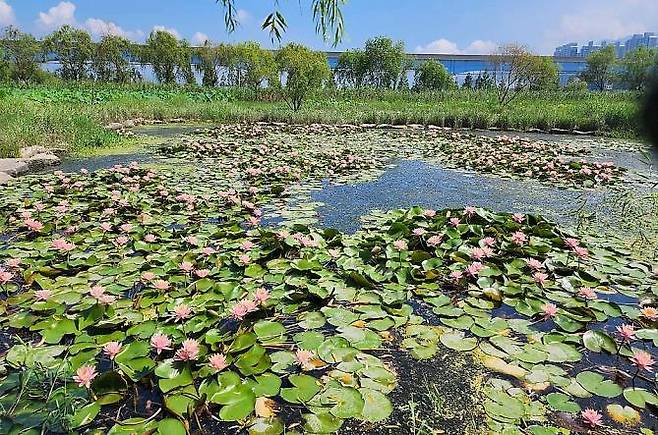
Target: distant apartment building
column 647, row 39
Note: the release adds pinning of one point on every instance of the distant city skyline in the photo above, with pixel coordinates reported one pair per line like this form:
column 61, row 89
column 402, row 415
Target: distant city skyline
column 623, row 46
column 425, row 26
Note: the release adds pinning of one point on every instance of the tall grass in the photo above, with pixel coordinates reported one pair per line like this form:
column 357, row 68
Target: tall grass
column 72, row 116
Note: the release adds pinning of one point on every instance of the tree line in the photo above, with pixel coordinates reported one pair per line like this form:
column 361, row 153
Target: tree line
column 295, row 70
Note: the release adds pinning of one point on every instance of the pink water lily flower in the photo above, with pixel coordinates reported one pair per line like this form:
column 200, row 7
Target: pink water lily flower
column 189, row 351
column 150, row 238
column 591, row 417
column 335, row 253
column 587, row 293
column 33, row 225
column 419, row 232
column 429, row 213
column 540, row 278
column 454, row 221
column 247, row 245
column 106, row 226
column 186, row 266
column 534, row 264
column 456, row 275
column 202, row 273
column 192, row 240
column 434, row 241
column 642, row 360
column 549, row 310
column 244, row 259
column 14, row 263
column 474, row 268
column 519, row 238
column 182, row 312
column 148, row 276
column 112, row 349
column 626, row 332
column 121, row 240
column 5, row 276
column 84, row 375
column 42, row 295
column 518, row 217
column 161, row 284
column 160, row 342
column 242, row 308
column 261, row 296
column 208, row 250
column 304, row 358
column 400, row 245
column 479, row 253
column 489, row 241
column 470, row 211
column 650, row 313
column 581, row 252
column 217, row 362
column 571, row 243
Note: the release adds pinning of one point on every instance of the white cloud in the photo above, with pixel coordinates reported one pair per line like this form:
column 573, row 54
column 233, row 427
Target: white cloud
column 98, row 27
column 598, row 20
column 57, row 16
column 168, row 30
column 243, row 16
column 7, row 16
column 200, row 38
column 445, row 46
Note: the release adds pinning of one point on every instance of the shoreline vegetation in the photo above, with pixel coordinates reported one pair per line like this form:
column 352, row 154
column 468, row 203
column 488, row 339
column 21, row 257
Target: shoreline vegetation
column 73, row 116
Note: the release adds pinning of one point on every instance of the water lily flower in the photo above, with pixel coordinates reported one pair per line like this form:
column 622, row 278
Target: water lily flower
column 14, row 263
column 650, row 313
column 456, row 275
column 189, row 351
column 161, row 284
column 470, row 211
column 549, row 310
column 42, row 295
column 247, row 245
column 242, row 308
column 5, row 276
column 186, row 266
column 419, row 232
column 261, row 296
column 642, row 360
column 160, row 342
column 434, row 241
column 304, row 358
column 335, row 253
column 33, row 225
column 540, row 278
column 106, row 226
column 581, row 252
column 489, row 242
column 429, row 213
column 474, row 268
column 121, row 240
column 62, row 245
column 202, row 273
column 627, row 332
column 454, row 221
column 518, row 217
column 519, row 238
column 400, row 245
column 182, row 312
column 84, row 375
column 587, row 293
column 192, row 240
column 244, row 259
column 112, row 349
column 534, row 264
column 148, row 276
column 150, row 238
column 571, row 243
column 479, row 253
column 591, row 417
column 217, row 362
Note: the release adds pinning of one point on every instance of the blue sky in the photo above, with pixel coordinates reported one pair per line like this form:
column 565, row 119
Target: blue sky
column 444, row 26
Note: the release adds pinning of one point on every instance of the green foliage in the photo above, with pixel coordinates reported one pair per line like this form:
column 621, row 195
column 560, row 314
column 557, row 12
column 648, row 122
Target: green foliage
column 469, row 83
column 170, row 58
column 381, row 64
column 111, row 60
column 433, row 76
column 600, row 68
column 21, row 51
column 517, row 70
column 576, row 86
column 637, row 68
column 352, row 69
column 252, row 66
column 74, row 49
column 209, row 63
column 305, row 72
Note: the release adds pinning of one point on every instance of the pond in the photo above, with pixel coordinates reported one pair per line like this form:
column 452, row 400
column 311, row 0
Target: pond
column 458, row 293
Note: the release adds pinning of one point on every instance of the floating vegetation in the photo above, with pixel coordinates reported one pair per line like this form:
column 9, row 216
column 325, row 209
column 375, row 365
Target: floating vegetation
column 137, row 300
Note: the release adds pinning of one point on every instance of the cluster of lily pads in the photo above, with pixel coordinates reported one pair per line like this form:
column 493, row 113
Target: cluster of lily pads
column 134, row 302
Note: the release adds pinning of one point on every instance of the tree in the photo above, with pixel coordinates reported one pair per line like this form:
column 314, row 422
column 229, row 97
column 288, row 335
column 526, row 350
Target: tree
column 209, row 64
column 169, row 58
column 252, row 65
column 600, row 68
column 637, row 67
column 352, row 69
column 327, row 15
column 576, row 86
column 517, row 69
column 74, row 49
column 433, row 76
column 21, row 51
column 112, row 59
column 485, row 81
column 387, row 62
column 304, row 71
column 468, row 82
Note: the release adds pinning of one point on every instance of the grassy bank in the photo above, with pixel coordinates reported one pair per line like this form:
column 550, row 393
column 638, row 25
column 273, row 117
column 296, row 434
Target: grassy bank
column 73, row 116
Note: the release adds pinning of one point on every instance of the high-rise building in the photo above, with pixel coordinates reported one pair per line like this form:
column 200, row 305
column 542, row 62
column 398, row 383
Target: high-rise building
column 647, row 39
